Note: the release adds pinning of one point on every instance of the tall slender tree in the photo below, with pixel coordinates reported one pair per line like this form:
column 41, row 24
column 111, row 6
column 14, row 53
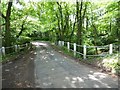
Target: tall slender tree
column 7, row 24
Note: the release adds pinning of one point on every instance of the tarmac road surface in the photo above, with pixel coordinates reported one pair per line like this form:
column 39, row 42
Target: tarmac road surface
column 47, row 68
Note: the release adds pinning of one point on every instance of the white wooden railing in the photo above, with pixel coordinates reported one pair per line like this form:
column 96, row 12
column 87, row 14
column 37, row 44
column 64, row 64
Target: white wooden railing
column 111, row 47
column 15, row 48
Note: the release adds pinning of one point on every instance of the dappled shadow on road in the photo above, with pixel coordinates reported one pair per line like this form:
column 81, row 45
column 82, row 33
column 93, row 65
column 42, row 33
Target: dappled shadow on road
column 54, row 70
column 19, row 73
column 89, row 81
column 61, row 80
column 46, row 68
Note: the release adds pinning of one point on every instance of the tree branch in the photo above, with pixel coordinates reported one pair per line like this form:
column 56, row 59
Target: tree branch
column 22, row 27
column 2, row 15
column 2, row 25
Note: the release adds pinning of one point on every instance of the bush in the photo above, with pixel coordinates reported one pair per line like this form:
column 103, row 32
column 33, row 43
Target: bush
column 90, row 51
column 23, row 40
column 45, row 39
column 111, row 61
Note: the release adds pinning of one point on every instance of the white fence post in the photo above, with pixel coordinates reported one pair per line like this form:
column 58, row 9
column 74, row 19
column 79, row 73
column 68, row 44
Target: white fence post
column 74, row 49
column 26, row 44
column 58, row 43
column 3, row 51
column 62, row 43
column 68, row 46
column 110, row 49
column 84, row 52
column 16, row 48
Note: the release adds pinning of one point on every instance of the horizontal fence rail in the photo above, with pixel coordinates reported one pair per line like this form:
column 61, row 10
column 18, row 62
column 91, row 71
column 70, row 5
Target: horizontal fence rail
column 73, row 47
column 15, row 48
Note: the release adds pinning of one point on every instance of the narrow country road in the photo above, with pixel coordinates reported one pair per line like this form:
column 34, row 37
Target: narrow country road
column 47, row 68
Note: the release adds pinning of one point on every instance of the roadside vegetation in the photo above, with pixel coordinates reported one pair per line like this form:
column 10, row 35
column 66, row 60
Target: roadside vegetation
column 85, row 23
column 108, row 63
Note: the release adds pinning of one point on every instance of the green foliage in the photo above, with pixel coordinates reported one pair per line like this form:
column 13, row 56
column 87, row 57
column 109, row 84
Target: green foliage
column 47, row 21
column 23, row 40
column 100, row 24
column 112, row 61
column 91, row 51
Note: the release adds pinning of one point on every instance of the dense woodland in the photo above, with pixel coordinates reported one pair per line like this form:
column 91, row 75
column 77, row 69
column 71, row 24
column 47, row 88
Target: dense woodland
column 90, row 23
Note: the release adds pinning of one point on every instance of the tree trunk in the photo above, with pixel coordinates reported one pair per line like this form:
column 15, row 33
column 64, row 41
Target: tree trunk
column 79, row 24
column 73, row 29
column 87, row 23
column 66, row 26
column 7, row 26
column 118, row 23
column 58, row 32
column 95, row 37
column 61, row 18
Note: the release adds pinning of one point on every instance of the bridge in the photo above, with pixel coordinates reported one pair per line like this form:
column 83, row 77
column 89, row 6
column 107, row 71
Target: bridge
column 46, row 67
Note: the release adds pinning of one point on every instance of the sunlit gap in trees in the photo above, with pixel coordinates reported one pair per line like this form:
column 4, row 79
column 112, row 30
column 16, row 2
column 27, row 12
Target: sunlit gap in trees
column 39, row 44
